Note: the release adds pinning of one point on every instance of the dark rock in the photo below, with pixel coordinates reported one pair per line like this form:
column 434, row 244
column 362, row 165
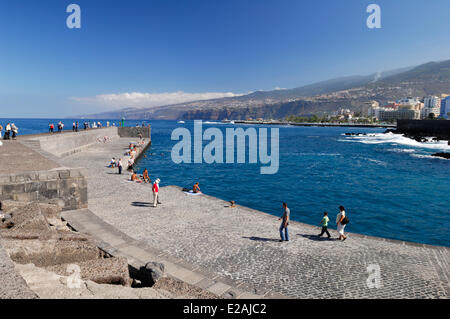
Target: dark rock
column 151, row 273
column 443, row 155
column 5, row 221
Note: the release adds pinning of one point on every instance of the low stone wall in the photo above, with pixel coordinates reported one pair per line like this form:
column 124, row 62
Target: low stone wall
column 67, row 143
column 438, row 128
column 65, row 187
column 135, row 131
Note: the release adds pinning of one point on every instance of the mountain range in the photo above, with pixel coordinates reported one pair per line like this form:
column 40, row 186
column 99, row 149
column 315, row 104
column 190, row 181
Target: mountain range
column 351, row 92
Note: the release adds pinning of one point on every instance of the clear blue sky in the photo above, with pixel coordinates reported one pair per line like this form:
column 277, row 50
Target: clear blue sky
column 204, row 46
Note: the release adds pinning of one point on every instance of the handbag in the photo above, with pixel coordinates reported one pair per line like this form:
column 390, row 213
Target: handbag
column 345, row 221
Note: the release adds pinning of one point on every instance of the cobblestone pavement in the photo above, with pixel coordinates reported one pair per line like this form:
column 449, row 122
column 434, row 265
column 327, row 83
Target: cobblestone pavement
column 242, row 244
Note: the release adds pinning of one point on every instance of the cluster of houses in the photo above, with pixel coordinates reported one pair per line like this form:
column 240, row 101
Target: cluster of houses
column 412, row 108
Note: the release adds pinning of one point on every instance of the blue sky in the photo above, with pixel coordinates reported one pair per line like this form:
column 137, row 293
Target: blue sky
column 202, row 48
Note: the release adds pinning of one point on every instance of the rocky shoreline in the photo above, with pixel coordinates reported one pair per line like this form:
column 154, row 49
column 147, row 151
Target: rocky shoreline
column 58, row 262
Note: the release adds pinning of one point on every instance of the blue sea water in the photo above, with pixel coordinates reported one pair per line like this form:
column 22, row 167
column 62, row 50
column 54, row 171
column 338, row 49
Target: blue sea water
column 390, row 186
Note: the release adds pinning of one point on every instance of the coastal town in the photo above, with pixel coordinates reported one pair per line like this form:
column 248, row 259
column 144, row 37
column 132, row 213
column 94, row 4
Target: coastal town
column 409, row 108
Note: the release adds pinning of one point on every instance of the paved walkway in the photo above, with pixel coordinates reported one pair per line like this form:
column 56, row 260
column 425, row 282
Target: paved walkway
column 240, row 244
column 17, row 158
column 138, row 253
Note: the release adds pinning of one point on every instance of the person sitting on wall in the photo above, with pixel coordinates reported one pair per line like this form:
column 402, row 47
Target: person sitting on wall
column 135, row 178
column 196, row 188
column 113, row 163
column 146, row 177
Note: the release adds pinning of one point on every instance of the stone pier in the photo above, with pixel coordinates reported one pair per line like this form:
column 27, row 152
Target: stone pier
column 235, row 251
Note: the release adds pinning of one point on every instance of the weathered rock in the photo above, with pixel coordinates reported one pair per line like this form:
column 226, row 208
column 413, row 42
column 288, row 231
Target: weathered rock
column 29, row 217
column 50, row 211
column 5, row 221
column 45, row 253
column 12, row 285
column 112, row 271
column 8, row 205
column 48, row 285
column 151, row 273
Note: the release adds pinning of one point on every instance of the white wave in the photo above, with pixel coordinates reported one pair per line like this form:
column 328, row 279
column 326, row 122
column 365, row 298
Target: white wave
column 382, row 138
column 376, row 161
column 213, row 123
column 401, row 150
column 427, row 156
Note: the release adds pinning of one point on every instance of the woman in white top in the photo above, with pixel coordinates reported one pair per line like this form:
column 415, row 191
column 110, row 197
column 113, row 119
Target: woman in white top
column 340, row 227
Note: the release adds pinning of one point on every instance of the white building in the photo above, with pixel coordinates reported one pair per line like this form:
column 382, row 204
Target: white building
column 431, row 104
column 445, row 107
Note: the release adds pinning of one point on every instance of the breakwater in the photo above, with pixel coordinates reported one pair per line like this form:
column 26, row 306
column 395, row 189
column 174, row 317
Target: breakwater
column 243, row 253
column 202, row 240
column 30, row 169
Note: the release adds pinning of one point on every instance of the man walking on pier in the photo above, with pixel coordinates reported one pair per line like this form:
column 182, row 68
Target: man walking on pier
column 284, row 223
column 155, row 189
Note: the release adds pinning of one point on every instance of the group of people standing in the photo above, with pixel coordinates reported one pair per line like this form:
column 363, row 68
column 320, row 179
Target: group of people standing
column 75, row 126
column 60, row 126
column 11, row 131
column 341, row 221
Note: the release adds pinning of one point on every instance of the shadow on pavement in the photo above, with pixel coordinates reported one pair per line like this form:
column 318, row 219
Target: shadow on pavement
column 317, row 238
column 142, row 204
column 261, row 239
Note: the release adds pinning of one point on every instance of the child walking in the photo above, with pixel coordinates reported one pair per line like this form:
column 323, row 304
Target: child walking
column 324, row 223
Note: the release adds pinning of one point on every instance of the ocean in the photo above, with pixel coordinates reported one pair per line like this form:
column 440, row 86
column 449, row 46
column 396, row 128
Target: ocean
column 390, row 185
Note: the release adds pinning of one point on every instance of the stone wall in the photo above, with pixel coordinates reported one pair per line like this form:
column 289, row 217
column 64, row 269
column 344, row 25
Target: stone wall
column 438, row 128
column 62, row 186
column 67, row 143
column 135, row 131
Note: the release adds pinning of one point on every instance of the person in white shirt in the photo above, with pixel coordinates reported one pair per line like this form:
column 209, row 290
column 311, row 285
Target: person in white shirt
column 15, row 130
column 340, row 227
column 7, row 131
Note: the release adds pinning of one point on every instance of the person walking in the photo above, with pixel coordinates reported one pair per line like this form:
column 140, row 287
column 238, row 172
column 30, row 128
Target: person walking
column 73, row 127
column 1, row 129
column 284, row 234
column 324, row 223
column 119, row 165
column 7, row 131
column 51, row 127
column 76, row 126
column 155, row 190
column 341, row 221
